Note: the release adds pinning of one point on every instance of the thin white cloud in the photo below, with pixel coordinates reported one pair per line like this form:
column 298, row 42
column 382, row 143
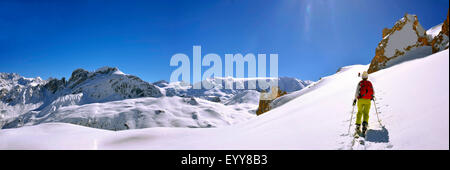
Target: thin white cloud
column 307, row 19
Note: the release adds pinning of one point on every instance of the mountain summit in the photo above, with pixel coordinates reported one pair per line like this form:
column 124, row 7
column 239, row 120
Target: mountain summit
column 407, row 34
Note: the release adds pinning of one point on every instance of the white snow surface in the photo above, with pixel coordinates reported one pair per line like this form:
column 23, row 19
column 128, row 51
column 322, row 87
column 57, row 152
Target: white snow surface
column 412, row 99
column 434, row 31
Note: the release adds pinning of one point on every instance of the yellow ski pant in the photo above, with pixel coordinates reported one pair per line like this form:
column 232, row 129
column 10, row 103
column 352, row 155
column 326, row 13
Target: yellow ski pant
column 363, row 110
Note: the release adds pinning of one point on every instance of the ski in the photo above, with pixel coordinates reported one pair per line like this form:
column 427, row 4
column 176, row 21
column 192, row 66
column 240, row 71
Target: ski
column 359, row 138
column 362, row 141
column 355, row 138
column 356, row 135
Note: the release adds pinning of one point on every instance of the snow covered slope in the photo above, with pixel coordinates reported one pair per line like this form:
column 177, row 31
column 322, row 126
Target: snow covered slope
column 19, row 95
column 412, row 98
column 434, row 31
column 139, row 113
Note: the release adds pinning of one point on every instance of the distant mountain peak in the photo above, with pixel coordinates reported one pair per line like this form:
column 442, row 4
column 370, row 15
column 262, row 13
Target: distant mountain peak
column 103, row 84
column 108, row 70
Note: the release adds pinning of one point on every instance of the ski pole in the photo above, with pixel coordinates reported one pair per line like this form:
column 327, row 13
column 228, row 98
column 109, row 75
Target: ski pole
column 349, row 126
column 376, row 111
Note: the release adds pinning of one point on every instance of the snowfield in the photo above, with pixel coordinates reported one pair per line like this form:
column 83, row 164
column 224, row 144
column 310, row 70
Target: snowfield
column 412, row 99
column 140, row 113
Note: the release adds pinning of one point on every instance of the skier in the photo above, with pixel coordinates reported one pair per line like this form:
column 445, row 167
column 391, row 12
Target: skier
column 364, row 94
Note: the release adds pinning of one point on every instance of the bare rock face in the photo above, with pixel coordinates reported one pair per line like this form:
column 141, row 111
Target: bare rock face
column 55, row 85
column 264, row 104
column 405, row 35
column 78, row 76
column 440, row 42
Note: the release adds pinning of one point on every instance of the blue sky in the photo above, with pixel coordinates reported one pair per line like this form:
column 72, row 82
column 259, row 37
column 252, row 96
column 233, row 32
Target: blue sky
column 313, row 38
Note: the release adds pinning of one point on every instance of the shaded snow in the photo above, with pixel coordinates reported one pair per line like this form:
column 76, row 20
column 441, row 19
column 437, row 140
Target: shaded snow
column 400, row 39
column 415, row 53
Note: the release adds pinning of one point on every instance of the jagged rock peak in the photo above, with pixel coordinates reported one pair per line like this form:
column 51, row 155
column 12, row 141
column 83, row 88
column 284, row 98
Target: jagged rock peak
column 82, row 73
column 108, row 70
column 405, row 35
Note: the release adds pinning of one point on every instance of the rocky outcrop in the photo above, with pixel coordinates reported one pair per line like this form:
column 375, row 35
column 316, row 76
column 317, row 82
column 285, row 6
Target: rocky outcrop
column 108, row 84
column 3, row 93
column 407, row 40
column 405, row 35
column 78, row 76
column 441, row 41
column 54, row 85
column 264, row 101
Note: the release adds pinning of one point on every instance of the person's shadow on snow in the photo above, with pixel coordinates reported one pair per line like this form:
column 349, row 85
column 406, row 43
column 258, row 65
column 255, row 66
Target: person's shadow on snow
column 377, row 136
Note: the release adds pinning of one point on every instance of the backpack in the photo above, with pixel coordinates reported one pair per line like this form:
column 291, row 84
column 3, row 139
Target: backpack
column 365, row 90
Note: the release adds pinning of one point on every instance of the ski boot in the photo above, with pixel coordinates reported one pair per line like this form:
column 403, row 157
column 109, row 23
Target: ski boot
column 357, row 130
column 364, row 128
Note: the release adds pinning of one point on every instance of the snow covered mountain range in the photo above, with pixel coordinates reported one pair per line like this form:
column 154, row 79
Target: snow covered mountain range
column 109, row 99
column 219, row 94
